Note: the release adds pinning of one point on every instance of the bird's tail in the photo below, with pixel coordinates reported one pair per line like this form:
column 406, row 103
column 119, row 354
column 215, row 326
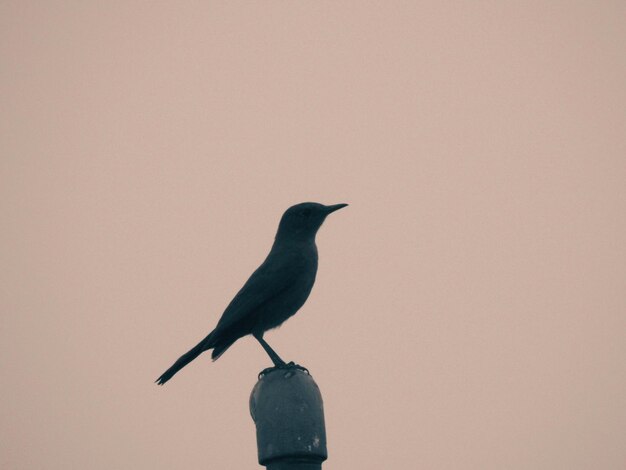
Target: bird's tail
column 220, row 348
column 205, row 344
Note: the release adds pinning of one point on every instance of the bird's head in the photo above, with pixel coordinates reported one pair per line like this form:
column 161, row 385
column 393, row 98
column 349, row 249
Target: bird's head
column 302, row 221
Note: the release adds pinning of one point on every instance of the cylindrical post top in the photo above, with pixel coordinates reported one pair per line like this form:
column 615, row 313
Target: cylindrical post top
column 286, row 406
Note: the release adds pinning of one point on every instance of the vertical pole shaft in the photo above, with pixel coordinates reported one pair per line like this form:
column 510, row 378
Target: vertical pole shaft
column 287, row 409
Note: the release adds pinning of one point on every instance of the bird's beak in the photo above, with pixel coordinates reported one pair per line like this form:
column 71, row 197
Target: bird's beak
column 334, row 208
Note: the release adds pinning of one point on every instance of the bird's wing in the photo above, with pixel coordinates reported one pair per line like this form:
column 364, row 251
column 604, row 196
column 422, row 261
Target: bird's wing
column 269, row 280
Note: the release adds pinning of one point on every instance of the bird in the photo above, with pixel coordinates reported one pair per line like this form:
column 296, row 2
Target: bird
column 273, row 293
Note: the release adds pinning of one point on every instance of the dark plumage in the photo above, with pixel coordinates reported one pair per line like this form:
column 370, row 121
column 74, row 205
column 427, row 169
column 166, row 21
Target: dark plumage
column 274, row 292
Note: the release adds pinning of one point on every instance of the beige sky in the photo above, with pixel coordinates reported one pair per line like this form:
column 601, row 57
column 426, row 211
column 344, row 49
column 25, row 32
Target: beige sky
column 470, row 306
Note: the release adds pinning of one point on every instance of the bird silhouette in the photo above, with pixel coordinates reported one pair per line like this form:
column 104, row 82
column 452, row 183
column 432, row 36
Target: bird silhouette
column 274, row 292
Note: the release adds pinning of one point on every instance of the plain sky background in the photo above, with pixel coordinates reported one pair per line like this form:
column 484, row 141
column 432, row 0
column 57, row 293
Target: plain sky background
column 470, row 307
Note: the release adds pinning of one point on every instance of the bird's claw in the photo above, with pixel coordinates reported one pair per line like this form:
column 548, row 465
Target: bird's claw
column 283, row 366
column 293, row 365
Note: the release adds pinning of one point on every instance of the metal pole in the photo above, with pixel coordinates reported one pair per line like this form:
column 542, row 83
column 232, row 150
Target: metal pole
column 286, row 406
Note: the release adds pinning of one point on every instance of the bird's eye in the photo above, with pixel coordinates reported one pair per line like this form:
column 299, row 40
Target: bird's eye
column 306, row 212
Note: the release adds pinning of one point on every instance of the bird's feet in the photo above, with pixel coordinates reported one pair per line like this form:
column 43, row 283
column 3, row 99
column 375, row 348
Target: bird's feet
column 283, row 366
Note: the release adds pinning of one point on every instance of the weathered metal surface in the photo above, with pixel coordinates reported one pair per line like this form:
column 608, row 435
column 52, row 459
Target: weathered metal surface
column 286, row 406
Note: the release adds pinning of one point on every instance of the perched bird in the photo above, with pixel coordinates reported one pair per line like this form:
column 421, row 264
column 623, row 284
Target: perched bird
column 274, row 292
